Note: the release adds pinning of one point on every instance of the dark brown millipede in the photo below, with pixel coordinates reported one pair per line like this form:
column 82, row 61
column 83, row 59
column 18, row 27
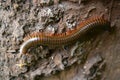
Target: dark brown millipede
column 66, row 38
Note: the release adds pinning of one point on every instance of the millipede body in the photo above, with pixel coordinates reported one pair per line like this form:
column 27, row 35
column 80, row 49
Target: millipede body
column 63, row 39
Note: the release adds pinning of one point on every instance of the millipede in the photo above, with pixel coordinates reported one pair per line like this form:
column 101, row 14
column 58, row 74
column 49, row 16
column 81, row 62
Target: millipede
column 66, row 38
